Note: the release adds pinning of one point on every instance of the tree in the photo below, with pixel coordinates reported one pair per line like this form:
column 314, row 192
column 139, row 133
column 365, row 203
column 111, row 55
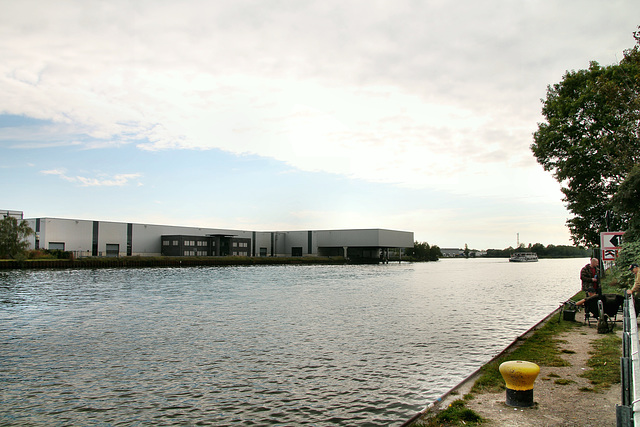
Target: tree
column 13, row 235
column 421, row 251
column 626, row 203
column 590, row 140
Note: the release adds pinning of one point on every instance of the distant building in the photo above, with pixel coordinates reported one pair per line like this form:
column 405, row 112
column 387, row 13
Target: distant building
column 458, row 253
column 451, row 252
column 105, row 238
column 16, row 214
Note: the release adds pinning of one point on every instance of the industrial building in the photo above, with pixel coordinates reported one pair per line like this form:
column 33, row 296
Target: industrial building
column 112, row 239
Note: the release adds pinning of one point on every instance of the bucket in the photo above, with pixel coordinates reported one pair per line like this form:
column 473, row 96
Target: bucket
column 569, row 315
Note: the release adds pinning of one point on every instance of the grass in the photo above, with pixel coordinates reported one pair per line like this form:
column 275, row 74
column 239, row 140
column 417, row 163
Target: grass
column 563, row 381
column 456, row 414
column 604, row 363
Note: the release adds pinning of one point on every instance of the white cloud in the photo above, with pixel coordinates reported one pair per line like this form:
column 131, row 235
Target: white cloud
column 102, row 180
column 432, row 94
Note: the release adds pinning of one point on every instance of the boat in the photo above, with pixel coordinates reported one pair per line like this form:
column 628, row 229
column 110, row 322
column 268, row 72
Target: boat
column 524, row 257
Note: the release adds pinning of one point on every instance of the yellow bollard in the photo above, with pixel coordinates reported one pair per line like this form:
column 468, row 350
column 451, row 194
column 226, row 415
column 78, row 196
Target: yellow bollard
column 519, row 376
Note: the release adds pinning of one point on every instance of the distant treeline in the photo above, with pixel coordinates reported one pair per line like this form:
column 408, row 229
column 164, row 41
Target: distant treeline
column 422, row 251
column 549, row 251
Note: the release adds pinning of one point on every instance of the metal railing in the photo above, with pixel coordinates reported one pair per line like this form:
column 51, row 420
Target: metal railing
column 628, row 412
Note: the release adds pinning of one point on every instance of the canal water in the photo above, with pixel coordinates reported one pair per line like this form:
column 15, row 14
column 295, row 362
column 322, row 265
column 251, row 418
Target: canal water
column 267, row 345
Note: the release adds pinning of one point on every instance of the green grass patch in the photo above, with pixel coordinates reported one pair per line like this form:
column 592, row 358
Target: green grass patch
column 604, row 362
column 563, row 381
column 456, row 414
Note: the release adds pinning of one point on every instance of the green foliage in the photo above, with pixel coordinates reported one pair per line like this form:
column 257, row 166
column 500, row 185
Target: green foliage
column 421, row 251
column 48, row 254
column 590, row 141
column 549, row 251
column 626, row 203
column 620, row 274
column 13, row 235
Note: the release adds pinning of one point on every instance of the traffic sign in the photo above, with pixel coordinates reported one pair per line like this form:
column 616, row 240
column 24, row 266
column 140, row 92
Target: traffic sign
column 611, row 240
column 609, row 254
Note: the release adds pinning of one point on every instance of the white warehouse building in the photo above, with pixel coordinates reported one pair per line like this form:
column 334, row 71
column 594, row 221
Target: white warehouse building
column 105, row 238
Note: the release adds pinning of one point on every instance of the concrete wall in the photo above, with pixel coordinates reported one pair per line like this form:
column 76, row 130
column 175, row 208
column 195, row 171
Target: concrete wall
column 365, row 238
column 262, row 240
column 75, row 234
column 114, row 233
column 298, row 239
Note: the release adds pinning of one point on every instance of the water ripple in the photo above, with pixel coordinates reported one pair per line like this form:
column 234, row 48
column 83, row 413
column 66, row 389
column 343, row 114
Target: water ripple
column 309, row 345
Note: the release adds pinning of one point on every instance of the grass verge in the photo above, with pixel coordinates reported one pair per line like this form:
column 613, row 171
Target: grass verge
column 456, row 414
column 604, row 363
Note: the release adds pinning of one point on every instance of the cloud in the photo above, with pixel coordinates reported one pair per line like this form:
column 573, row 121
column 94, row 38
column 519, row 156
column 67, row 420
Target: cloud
column 118, row 180
column 424, row 95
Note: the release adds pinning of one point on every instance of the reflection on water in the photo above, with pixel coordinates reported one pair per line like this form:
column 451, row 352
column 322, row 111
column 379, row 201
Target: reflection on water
column 282, row 345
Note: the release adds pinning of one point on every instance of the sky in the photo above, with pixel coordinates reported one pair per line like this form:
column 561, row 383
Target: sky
column 295, row 115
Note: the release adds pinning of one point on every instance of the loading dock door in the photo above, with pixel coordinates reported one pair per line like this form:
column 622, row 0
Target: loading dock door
column 113, row 249
column 56, row 246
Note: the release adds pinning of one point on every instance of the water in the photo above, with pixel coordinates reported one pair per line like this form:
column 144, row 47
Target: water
column 281, row 345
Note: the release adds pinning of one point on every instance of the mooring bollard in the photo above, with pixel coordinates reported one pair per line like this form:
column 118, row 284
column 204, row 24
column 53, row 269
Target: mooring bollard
column 519, row 377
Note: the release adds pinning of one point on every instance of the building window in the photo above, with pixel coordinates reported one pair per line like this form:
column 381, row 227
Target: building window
column 175, row 243
column 235, row 244
column 202, row 243
column 165, row 243
column 189, row 253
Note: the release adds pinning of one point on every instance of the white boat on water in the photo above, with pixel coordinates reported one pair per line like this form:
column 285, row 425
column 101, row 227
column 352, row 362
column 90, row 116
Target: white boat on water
column 524, row 257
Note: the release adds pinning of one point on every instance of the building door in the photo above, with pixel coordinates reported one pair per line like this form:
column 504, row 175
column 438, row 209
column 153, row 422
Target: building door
column 113, row 249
